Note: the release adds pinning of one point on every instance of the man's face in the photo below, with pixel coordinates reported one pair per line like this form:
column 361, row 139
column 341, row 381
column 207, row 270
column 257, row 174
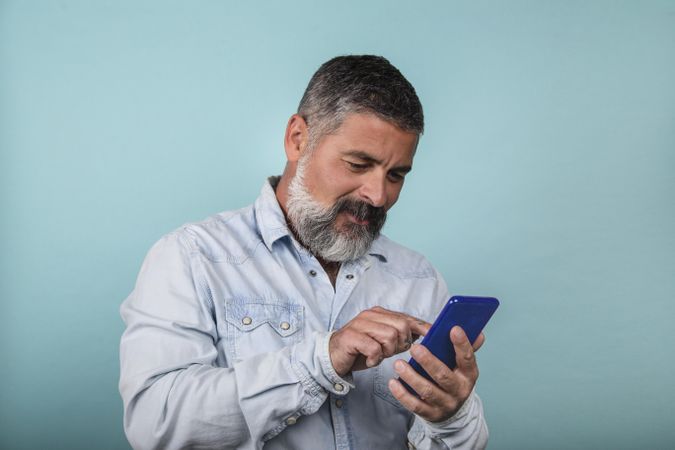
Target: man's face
column 342, row 189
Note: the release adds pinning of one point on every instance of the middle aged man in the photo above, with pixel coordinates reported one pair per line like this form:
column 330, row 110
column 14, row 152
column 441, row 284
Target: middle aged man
column 274, row 325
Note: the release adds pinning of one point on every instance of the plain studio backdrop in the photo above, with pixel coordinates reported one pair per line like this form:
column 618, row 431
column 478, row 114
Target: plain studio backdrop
column 545, row 178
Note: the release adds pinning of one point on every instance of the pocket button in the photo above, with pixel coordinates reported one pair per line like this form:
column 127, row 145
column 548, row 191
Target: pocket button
column 285, row 326
column 247, row 320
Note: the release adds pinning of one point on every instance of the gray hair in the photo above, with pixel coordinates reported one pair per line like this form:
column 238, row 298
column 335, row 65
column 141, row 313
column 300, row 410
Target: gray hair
column 359, row 84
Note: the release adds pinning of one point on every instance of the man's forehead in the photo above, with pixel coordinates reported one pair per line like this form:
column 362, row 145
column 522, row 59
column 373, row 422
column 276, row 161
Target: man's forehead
column 370, row 118
column 370, row 126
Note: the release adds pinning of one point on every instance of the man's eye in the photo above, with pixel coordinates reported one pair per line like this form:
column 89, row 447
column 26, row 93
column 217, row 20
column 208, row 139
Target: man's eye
column 357, row 167
column 396, row 177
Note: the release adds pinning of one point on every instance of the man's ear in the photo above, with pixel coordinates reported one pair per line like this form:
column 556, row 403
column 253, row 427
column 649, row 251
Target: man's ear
column 295, row 139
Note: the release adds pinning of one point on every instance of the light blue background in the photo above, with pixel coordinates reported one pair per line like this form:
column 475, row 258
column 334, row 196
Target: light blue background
column 545, row 178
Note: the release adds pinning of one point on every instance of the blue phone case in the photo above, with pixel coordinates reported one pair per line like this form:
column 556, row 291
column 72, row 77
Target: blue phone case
column 470, row 313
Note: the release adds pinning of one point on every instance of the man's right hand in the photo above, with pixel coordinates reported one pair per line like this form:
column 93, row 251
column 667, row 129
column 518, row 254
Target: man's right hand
column 371, row 336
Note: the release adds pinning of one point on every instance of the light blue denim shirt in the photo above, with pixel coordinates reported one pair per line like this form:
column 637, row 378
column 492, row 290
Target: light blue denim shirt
column 226, row 344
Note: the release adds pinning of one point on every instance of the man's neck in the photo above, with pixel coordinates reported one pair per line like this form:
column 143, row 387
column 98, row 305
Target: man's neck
column 331, row 268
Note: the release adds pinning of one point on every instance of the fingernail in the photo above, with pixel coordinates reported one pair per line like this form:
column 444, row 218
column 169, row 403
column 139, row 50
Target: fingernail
column 415, row 350
column 399, row 366
column 374, row 362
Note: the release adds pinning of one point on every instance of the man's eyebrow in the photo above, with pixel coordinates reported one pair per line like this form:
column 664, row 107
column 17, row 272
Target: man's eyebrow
column 364, row 156
column 371, row 159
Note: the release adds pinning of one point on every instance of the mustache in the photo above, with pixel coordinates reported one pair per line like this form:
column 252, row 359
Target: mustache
column 375, row 215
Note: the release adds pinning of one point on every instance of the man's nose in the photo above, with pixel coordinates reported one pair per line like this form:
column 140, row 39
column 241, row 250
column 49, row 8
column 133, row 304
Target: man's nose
column 374, row 190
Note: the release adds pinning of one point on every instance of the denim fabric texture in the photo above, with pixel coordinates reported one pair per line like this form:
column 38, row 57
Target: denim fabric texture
column 226, row 343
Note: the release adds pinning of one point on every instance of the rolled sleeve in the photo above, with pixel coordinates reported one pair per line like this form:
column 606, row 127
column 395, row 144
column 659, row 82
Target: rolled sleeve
column 466, row 429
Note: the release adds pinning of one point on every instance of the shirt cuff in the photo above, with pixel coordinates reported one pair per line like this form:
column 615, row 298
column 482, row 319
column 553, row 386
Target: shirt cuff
column 442, row 428
column 310, row 359
column 331, row 381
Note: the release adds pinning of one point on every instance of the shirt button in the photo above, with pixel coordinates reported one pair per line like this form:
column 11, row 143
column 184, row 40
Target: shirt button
column 350, row 276
column 247, row 320
column 285, row 325
column 339, row 387
column 291, row 421
column 312, row 273
column 339, row 403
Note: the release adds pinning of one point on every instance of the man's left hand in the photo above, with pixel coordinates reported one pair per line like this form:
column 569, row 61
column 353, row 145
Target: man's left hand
column 438, row 402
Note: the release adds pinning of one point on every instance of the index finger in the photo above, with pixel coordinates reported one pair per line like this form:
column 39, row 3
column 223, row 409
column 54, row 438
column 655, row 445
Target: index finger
column 466, row 360
column 418, row 327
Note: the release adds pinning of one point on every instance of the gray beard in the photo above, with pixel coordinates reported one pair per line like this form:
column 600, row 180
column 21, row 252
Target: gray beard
column 314, row 224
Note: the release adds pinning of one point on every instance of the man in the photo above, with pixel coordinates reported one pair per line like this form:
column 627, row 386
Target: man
column 275, row 325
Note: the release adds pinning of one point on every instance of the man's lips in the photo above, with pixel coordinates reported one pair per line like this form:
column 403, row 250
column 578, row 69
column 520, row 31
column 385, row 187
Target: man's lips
column 356, row 220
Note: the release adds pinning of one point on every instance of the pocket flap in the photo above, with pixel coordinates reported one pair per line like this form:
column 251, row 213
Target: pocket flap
column 284, row 319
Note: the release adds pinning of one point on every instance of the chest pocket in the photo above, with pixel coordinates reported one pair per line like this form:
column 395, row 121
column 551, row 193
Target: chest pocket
column 254, row 327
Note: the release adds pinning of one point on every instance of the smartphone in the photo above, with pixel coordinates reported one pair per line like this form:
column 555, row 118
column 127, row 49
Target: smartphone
column 470, row 313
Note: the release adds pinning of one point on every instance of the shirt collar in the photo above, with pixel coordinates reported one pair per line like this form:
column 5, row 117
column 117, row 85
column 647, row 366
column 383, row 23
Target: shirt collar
column 272, row 222
column 378, row 250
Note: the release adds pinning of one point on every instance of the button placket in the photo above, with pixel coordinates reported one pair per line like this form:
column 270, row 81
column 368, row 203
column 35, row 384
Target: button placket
column 346, row 283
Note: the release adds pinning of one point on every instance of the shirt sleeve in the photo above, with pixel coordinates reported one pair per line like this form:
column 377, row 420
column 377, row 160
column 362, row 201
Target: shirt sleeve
column 174, row 392
column 467, row 429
